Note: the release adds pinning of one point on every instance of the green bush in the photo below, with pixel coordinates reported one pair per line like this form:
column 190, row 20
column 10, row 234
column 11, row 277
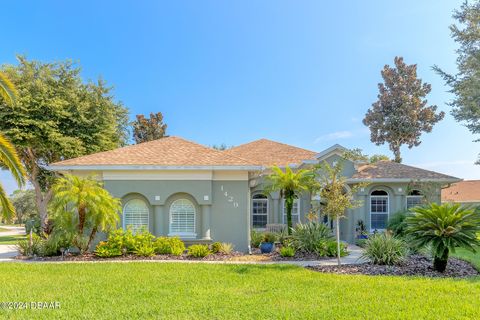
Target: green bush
column 169, row 245
column 328, row 248
column 145, row 250
column 269, row 237
column 397, row 223
column 216, row 247
column 106, row 250
column 445, row 227
column 255, row 238
column 306, row 237
column 360, row 242
column 385, row 249
column 25, row 249
column 198, row 250
column 287, row 251
column 225, row 248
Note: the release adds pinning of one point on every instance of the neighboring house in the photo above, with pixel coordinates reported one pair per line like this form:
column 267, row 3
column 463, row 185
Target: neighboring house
column 175, row 187
column 464, row 192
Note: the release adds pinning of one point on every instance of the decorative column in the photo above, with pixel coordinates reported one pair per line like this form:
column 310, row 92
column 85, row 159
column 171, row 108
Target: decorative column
column 206, row 210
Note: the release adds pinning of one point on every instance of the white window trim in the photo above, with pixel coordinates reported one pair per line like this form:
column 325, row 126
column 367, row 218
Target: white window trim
column 260, row 199
column 182, row 235
column 284, row 214
column 123, row 214
column 406, row 200
column 385, row 213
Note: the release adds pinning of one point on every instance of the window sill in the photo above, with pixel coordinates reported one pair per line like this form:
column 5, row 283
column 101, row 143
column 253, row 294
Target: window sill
column 183, row 235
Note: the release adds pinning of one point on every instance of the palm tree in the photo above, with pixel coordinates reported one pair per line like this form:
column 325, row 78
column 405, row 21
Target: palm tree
column 81, row 204
column 445, row 227
column 8, row 155
column 290, row 184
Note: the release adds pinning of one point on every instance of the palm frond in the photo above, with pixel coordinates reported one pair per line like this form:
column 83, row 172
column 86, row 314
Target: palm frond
column 9, row 158
column 7, row 209
column 7, row 89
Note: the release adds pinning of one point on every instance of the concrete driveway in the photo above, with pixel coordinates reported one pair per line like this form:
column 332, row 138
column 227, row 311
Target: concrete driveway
column 9, row 251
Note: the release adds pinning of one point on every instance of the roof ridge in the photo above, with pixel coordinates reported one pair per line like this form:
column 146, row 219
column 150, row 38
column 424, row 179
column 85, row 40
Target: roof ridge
column 277, row 142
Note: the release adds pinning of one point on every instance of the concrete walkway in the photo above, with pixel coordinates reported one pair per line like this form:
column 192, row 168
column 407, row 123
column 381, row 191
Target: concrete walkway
column 8, row 252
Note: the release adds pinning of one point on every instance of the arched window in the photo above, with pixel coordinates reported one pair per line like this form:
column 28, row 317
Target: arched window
column 259, row 211
column 135, row 215
column 182, row 218
column 414, row 199
column 379, row 209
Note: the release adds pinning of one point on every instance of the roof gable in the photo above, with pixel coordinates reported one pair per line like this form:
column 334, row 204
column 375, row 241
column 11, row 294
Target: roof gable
column 268, row 153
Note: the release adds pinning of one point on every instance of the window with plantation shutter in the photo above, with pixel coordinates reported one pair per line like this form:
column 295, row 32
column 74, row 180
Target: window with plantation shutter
column 182, row 218
column 135, row 215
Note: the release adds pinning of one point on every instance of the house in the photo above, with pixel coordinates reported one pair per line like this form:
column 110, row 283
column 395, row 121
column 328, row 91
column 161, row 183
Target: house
column 464, row 192
column 180, row 188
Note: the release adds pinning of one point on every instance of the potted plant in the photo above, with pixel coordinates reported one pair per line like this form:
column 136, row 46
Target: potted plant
column 267, row 243
column 361, row 230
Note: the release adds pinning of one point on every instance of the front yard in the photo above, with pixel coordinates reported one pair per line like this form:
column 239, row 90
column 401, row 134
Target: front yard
column 186, row 291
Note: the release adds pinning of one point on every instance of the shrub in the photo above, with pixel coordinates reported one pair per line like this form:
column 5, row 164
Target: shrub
column 360, row 242
column 145, row 250
column 445, row 227
column 106, row 250
column 167, row 245
column 198, row 250
column 269, row 237
column 287, row 251
column 28, row 250
column 255, row 238
column 225, row 248
column 397, row 223
column 216, row 247
column 328, row 248
column 306, row 237
column 383, row 248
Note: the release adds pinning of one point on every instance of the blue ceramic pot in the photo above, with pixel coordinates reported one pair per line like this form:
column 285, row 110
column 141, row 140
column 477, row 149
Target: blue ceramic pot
column 266, row 247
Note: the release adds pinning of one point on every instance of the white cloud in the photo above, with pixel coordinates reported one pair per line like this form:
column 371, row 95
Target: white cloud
column 335, row 136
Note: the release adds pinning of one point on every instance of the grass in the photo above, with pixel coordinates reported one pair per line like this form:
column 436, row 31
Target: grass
column 208, row 291
column 4, row 229
column 473, row 258
column 11, row 239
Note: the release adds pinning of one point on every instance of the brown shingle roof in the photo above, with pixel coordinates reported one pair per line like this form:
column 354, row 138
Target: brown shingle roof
column 169, row 151
column 464, row 191
column 392, row 170
column 268, row 153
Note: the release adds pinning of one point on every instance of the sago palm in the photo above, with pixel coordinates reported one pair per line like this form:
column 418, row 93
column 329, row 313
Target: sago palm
column 8, row 156
column 290, row 184
column 81, row 204
column 444, row 227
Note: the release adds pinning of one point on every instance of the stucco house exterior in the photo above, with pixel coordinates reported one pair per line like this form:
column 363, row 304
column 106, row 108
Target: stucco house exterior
column 175, row 187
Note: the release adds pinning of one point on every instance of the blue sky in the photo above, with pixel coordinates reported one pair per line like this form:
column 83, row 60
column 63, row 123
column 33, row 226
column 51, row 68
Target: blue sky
column 299, row 72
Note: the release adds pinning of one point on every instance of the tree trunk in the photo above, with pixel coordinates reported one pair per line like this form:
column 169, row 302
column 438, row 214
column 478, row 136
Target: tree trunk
column 81, row 219
column 41, row 200
column 338, row 239
column 396, row 152
column 440, row 262
column 92, row 236
column 289, row 204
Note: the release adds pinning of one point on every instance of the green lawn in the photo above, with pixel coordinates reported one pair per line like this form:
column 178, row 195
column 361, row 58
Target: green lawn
column 205, row 291
column 10, row 239
column 467, row 255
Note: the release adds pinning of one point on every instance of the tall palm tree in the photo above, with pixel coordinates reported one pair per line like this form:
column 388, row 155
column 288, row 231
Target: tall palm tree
column 290, row 184
column 8, row 155
column 82, row 204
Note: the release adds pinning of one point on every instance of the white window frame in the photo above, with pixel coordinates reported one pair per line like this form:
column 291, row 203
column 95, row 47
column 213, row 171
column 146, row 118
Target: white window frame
column 284, row 213
column 135, row 229
column 409, row 197
column 183, row 235
column 261, row 200
column 385, row 213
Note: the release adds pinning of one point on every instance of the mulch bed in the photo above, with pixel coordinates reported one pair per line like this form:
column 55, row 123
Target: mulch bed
column 132, row 257
column 416, row 265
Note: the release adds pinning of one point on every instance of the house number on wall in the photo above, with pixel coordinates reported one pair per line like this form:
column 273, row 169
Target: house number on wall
column 229, row 198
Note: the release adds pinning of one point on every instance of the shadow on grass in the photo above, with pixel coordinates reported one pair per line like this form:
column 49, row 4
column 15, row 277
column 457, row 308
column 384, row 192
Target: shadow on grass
column 11, row 239
column 252, row 268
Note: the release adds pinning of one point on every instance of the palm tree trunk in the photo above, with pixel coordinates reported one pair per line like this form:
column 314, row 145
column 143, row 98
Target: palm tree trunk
column 337, row 219
column 92, row 236
column 289, row 205
column 81, row 219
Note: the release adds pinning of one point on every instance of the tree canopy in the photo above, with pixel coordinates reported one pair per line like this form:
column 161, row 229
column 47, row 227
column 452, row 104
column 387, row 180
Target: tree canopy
column 58, row 116
column 145, row 129
column 401, row 114
column 465, row 83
